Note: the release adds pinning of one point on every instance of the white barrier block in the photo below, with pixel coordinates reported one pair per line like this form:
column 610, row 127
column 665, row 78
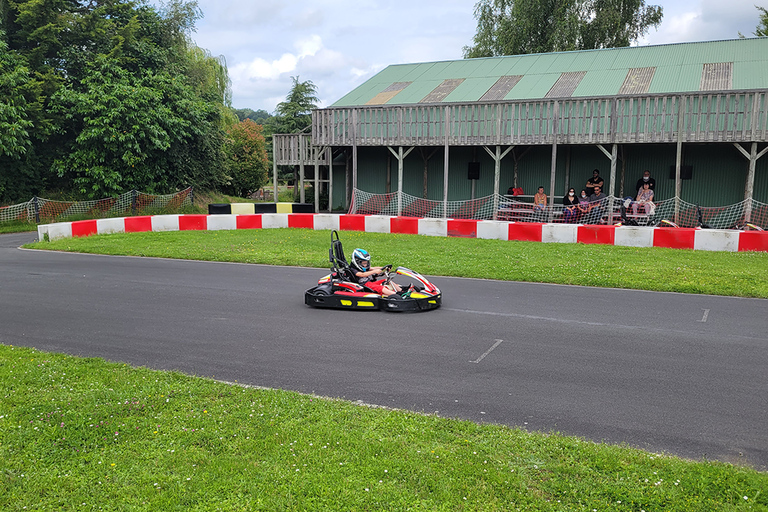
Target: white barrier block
column 274, row 220
column 716, row 240
column 633, row 236
column 42, row 230
column 493, row 230
column 326, row 221
column 219, row 222
column 378, row 224
column 58, row 231
column 433, row 227
column 109, row 226
column 165, row 223
column 559, row 233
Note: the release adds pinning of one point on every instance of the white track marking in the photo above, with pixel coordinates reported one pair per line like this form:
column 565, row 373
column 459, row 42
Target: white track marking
column 498, row 342
column 706, row 314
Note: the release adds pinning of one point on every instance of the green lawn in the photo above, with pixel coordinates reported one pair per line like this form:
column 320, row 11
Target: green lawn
column 742, row 274
column 85, row 434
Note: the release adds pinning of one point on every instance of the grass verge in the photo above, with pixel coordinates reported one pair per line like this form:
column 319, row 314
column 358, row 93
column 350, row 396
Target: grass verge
column 89, row 435
column 743, row 274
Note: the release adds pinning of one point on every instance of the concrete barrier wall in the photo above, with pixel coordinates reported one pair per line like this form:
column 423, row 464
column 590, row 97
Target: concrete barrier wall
column 630, row 236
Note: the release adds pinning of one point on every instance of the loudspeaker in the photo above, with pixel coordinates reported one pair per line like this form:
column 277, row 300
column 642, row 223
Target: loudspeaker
column 686, row 172
column 473, row 171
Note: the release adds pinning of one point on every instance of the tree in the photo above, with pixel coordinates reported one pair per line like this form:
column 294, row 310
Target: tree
column 260, row 116
column 292, row 116
column 515, row 27
column 762, row 28
column 118, row 96
column 125, row 125
column 617, row 23
column 247, row 158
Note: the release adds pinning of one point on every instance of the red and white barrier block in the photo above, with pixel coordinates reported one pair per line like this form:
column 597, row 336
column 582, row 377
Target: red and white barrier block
column 630, row 236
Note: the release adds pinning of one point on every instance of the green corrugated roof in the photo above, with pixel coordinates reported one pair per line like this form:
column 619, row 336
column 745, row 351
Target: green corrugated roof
column 678, row 68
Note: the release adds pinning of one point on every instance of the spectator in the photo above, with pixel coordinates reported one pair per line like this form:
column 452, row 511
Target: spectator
column 583, row 203
column 570, row 206
column 644, row 199
column 596, row 206
column 594, row 181
column 646, row 179
column 539, row 200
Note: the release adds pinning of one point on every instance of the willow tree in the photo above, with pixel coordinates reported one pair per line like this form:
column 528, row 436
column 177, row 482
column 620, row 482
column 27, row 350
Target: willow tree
column 515, row 27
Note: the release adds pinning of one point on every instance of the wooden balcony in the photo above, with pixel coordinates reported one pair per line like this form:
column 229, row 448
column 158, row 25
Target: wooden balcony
column 700, row 117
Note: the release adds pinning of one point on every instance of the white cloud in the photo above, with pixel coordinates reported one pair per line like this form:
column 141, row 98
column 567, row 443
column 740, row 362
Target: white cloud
column 338, row 44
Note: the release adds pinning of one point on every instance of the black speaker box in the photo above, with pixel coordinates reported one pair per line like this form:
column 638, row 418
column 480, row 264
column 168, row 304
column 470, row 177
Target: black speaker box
column 473, row 171
column 686, row 172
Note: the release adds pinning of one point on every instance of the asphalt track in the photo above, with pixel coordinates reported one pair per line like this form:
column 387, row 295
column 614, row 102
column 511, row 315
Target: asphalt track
column 682, row 374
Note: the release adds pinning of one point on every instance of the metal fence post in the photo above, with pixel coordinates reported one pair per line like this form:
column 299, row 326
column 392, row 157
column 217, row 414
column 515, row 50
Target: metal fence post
column 37, row 209
column 134, row 193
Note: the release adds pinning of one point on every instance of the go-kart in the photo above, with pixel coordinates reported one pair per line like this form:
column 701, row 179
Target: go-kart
column 340, row 288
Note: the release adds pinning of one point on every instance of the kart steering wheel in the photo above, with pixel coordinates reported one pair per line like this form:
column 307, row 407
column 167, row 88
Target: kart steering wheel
column 386, row 271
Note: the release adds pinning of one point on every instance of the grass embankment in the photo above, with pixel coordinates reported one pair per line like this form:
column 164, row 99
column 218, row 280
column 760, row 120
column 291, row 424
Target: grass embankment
column 84, row 434
column 718, row 273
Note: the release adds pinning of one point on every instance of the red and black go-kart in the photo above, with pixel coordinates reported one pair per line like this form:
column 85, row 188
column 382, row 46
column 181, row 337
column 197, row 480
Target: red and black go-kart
column 340, row 289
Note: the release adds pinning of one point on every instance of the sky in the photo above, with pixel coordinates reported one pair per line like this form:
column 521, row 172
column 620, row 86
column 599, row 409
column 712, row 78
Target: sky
column 339, row 44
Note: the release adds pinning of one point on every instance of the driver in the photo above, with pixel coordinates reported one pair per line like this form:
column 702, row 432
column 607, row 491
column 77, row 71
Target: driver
column 367, row 275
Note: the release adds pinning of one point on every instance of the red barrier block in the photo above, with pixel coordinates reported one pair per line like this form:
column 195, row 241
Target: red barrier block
column 352, row 222
column 595, row 234
column 753, row 241
column 525, row 231
column 84, row 228
column 248, row 221
column 462, row 228
column 404, row 225
column 674, row 238
column 193, row 222
column 138, row 224
column 301, row 220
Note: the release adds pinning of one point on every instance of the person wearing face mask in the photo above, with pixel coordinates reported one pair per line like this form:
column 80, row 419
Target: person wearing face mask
column 646, row 179
column 583, row 203
column 570, row 206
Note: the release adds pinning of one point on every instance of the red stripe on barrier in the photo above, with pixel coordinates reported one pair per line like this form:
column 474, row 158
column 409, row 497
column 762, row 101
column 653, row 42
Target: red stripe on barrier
column 525, row 231
column 193, row 222
column 674, row 238
column 591, row 234
column 138, row 224
column 84, row 228
column 301, row 220
column 248, row 221
column 352, row 222
column 404, row 225
column 753, row 241
column 462, row 228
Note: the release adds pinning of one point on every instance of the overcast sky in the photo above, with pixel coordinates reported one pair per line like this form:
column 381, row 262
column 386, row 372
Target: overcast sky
column 338, row 44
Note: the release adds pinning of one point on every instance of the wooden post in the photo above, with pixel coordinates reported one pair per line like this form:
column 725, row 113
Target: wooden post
column 612, row 188
column 274, row 170
column 329, row 158
column 749, row 186
column 445, row 163
column 302, row 197
column 497, row 157
column 317, row 154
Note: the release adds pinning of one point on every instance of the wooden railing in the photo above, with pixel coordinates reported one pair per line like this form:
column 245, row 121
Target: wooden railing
column 297, row 149
column 698, row 117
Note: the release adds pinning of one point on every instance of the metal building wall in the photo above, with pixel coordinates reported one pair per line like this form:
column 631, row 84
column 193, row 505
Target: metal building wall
column 719, row 171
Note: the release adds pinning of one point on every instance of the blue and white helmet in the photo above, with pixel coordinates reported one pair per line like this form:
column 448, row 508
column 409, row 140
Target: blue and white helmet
column 361, row 260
